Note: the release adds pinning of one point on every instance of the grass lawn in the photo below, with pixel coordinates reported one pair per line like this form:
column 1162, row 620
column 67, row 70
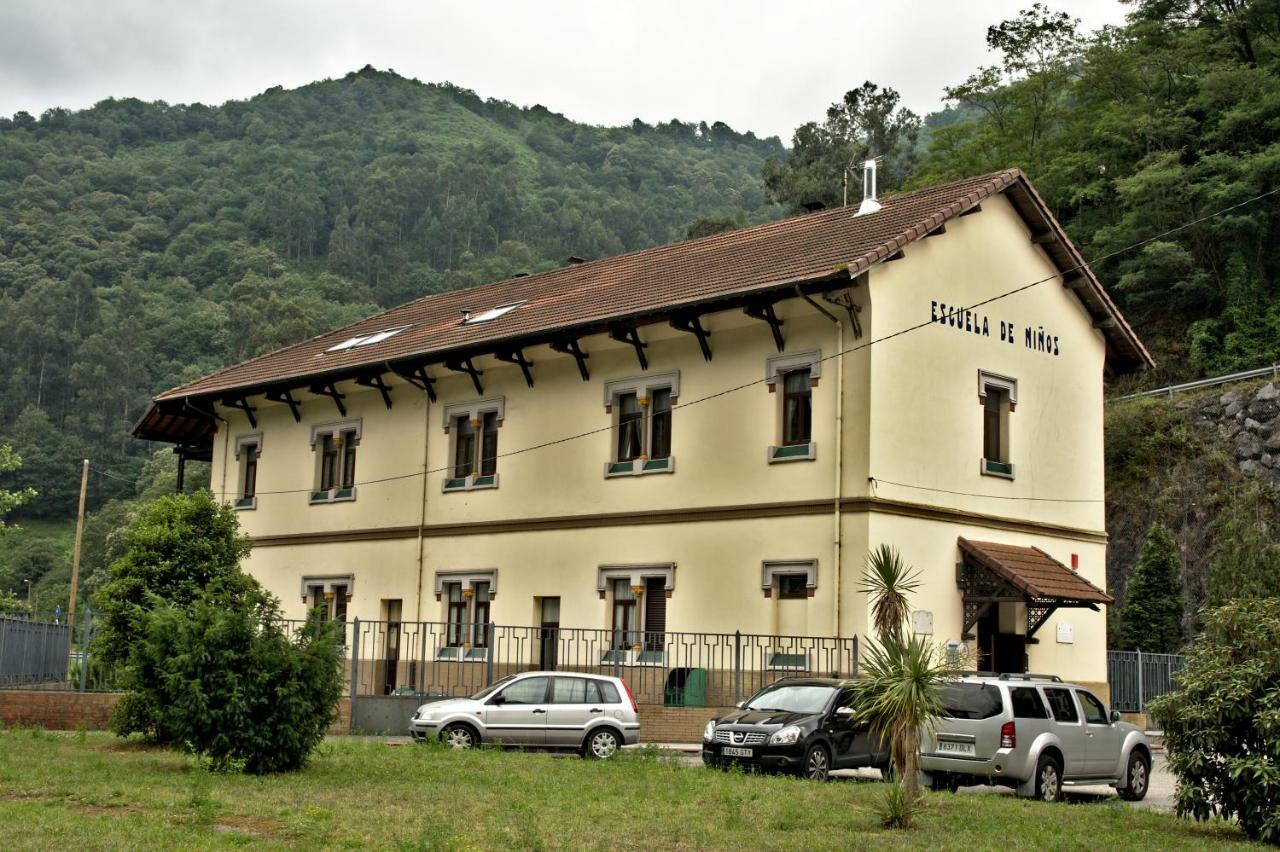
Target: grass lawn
column 95, row 791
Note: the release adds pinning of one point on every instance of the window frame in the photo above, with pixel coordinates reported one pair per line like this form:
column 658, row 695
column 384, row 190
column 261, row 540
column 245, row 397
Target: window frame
column 479, row 416
column 772, row 570
column 785, row 594
column 248, row 452
column 776, row 371
column 1003, row 390
column 345, row 436
column 644, row 389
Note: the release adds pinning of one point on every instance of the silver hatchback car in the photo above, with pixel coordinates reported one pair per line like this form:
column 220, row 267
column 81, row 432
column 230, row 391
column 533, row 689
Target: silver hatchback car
column 1033, row 733
column 591, row 714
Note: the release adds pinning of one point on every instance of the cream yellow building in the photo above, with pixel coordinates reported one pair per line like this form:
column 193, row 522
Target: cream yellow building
column 707, row 437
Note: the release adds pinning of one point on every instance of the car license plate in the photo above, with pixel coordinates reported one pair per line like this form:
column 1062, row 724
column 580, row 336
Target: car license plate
column 731, row 751
column 965, row 749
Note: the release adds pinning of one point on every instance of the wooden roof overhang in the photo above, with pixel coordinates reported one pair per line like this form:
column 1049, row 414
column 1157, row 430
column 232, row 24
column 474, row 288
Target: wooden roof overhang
column 991, row 573
column 191, row 420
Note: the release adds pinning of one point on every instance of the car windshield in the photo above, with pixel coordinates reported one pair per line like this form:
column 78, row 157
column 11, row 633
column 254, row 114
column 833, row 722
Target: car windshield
column 792, row 698
column 493, row 687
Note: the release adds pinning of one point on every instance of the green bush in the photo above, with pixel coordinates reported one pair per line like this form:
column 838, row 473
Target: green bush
column 226, row 680
column 1222, row 724
column 1151, row 619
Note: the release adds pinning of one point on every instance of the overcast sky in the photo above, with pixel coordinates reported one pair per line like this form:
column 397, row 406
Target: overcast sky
column 762, row 66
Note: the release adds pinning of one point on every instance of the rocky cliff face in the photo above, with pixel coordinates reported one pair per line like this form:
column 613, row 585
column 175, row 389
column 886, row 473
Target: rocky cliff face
column 1248, row 421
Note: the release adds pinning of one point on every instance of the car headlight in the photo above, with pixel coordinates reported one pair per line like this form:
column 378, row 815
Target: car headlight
column 709, row 732
column 787, row 736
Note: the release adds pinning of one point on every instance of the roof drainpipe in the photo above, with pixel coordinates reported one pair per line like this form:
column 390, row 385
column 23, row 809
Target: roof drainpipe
column 836, row 530
column 422, row 519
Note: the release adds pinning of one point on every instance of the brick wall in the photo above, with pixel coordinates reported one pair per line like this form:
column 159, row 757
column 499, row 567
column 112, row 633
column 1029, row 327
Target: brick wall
column 675, row 724
column 70, row 711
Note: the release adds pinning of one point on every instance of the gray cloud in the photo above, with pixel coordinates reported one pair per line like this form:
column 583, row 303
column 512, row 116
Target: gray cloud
column 762, row 66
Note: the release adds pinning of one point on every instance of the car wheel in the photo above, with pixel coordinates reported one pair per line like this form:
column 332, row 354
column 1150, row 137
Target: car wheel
column 817, row 763
column 458, row 736
column 602, row 744
column 1139, row 778
column 1048, row 779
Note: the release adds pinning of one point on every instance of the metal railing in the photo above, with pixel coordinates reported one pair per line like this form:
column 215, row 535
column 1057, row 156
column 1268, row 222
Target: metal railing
column 33, row 652
column 1273, row 371
column 425, row 659
column 1135, row 677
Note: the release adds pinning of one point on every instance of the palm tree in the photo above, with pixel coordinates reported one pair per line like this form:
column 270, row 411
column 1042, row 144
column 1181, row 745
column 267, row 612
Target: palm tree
column 899, row 696
column 888, row 581
column 902, row 674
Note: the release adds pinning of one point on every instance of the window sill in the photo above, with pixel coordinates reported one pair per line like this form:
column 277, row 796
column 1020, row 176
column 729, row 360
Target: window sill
column 637, row 467
column 245, row 503
column 1000, row 470
column 784, row 662
column 333, row 495
column 795, row 452
column 634, row 659
column 469, row 483
column 455, row 654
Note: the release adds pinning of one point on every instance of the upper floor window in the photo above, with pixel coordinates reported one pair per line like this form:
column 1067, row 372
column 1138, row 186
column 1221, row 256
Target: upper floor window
column 335, row 447
column 473, row 431
column 248, row 448
column 999, row 398
column 793, row 378
column 642, row 424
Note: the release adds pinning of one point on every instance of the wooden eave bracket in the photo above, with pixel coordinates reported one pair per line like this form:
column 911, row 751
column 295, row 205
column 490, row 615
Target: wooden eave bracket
column 692, row 323
column 764, row 312
column 843, row 298
column 417, row 376
column 285, row 397
column 631, row 335
column 242, row 403
column 570, row 347
column 330, row 390
column 516, row 356
column 375, row 380
column 466, row 365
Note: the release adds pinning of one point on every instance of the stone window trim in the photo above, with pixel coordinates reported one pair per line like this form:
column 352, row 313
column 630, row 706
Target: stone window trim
column 328, row 582
column 468, row 579
column 253, row 439
column 772, row 569
column 641, row 386
column 636, row 574
column 335, row 428
column 474, row 411
column 779, row 364
column 995, row 380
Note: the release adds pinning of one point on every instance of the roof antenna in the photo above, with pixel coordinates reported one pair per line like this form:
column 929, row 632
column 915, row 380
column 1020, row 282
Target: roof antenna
column 869, row 203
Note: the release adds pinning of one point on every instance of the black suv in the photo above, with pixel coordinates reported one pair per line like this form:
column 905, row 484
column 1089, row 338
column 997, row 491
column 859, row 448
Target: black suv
column 799, row 725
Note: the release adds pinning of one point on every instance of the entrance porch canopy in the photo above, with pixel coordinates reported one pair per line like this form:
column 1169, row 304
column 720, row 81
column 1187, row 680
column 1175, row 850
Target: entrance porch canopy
column 990, row 574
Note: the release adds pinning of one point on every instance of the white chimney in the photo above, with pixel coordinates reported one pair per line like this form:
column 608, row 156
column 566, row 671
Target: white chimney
column 869, row 203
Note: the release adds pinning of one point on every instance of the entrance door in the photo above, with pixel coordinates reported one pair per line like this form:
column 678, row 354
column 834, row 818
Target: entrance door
column 391, row 650
column 549, row 634
column 999, row 652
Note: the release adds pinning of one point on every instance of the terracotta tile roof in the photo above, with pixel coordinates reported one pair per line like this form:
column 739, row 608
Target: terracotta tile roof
column 1033, row 572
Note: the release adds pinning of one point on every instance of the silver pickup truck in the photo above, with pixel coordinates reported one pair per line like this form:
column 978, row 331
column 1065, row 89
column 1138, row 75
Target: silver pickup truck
column 1033, row 733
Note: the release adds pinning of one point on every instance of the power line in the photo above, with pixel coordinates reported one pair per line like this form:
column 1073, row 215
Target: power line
column 840, row 354
column 875, row 480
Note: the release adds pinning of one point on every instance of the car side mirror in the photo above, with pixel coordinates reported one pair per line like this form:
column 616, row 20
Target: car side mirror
column 498, row 699
column 844, row 713
column 741, row 705
column 1115, row 716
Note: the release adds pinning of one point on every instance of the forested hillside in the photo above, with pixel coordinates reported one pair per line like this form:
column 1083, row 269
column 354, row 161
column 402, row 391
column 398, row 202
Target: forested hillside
column 142, row 245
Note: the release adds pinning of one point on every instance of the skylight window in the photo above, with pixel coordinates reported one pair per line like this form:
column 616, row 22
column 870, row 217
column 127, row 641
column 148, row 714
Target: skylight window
column 468, row 318
column 366, row 339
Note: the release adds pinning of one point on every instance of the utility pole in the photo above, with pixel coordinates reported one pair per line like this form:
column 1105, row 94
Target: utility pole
column 75, row 560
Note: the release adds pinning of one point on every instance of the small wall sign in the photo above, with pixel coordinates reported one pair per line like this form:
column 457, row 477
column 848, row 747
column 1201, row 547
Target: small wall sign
column 1066, row 633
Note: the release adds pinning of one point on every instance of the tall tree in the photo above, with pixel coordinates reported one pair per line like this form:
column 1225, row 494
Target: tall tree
column 867, row 122
column 11, row 499
column 1151, row 618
